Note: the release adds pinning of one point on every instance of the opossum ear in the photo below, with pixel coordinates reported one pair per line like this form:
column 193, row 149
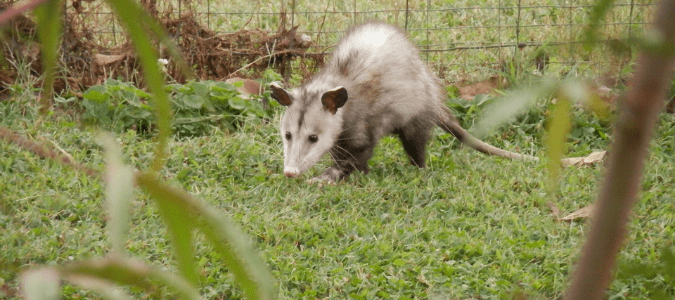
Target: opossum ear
column 334, row 99
column 281, row 95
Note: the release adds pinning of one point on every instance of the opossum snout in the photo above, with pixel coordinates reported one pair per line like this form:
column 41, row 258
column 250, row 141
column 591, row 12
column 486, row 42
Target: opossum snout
column 291, row 172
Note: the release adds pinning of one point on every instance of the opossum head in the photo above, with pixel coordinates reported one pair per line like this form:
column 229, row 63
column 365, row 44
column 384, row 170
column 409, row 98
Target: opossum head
column 311, row 124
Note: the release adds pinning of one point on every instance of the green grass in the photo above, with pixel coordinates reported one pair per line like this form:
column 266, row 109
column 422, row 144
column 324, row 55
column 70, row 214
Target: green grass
column 469, row 226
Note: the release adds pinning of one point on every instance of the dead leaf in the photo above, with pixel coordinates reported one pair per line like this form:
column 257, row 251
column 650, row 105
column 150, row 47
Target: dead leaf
column 102, row 59
column 487, row 87
column 249, row 87
column 554, row 210
column 579, row 214
column 423, row 280
column 584, row 160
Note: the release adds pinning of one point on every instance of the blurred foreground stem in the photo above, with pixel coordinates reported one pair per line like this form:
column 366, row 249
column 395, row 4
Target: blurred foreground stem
column 640, row 109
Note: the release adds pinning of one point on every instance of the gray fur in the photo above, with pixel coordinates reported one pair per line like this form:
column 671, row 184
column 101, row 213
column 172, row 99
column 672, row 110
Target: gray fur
column 389, row 91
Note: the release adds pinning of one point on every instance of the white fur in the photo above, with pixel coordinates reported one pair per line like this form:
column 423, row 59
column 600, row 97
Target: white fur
column 299, row 153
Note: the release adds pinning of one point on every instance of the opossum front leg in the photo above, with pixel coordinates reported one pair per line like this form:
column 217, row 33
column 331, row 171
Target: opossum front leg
column 345, row 164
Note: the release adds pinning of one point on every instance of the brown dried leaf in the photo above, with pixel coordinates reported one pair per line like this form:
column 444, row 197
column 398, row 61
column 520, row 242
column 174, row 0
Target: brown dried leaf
column 487, row 87
column 102, row 59
column 249, row 87
column 585, row 160
column 579, row 214
column 555, row 211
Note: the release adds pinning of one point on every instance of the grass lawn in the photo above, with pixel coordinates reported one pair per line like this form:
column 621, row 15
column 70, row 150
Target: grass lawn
column 467, row 227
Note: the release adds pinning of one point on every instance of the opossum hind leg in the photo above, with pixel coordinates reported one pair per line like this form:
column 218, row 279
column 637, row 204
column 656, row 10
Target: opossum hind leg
column 414, row 139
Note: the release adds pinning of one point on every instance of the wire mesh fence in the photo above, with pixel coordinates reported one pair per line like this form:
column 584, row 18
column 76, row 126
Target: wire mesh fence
column 461, row 40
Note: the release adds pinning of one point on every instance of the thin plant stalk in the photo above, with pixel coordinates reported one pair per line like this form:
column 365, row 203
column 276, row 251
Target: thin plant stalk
column 634, row 128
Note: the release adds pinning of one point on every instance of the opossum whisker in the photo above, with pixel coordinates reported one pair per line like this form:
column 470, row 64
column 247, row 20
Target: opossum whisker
column 343, row 150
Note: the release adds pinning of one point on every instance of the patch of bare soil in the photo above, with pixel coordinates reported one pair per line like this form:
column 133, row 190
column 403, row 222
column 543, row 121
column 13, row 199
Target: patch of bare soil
column 487, row 87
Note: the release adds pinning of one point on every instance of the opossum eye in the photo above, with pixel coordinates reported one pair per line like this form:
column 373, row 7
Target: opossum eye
column 288, row 135
column 313, row 138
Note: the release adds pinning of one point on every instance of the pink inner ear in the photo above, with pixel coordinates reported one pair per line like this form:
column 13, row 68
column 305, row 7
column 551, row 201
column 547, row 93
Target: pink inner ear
column 329, row 104
column 332, row 100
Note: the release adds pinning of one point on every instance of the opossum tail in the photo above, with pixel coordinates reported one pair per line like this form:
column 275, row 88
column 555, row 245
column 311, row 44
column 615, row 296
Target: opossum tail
column 450, row 124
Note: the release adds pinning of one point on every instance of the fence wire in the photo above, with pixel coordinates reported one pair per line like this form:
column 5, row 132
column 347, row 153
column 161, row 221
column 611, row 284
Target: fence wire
column 461, row 40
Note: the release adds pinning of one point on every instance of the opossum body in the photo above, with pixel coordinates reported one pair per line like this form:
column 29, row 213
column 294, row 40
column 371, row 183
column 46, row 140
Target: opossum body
column 375, row 84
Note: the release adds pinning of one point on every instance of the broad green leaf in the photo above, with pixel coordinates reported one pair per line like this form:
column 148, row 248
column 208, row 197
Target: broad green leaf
column 574, row 91
column 224, row 86
column 201, row 89
column 250, row 271
column 508, row 107
column 40, row 284
column 96, row 93
column 49, row 30
column 595, row 18
column 141, row 94
column 237, row 103
column 179, row 219
column 119, row 192
column 170, row 45
column 248, row 268
column 142, row 113
column 130, row 13
column 599, row 107
column 194, row 101
column 106, row 289
column 668, row 258
column 64, row 100
column 128, row 271
column 558, row 129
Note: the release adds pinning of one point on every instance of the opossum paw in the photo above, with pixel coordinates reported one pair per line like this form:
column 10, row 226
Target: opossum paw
column 322, row 179
column 330, row 176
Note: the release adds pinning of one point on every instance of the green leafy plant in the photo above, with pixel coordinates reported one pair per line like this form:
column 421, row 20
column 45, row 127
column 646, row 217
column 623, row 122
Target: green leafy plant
column 124, row 104
column 198, row 106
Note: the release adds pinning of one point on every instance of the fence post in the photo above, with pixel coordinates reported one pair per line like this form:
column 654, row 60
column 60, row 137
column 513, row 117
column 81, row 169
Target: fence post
column 426, row 46
column 630, row 20
column 571, row 32
column 287, row 59
column 292, row 13
column 114, row 32
column 499, row 31
column 516, row 54
column 407, row 11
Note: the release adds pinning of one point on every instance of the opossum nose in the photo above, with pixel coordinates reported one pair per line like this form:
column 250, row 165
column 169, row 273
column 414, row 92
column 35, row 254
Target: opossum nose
column 291, row 172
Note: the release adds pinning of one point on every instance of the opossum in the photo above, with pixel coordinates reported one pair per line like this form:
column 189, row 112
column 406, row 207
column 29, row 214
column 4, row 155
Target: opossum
column 375, row 84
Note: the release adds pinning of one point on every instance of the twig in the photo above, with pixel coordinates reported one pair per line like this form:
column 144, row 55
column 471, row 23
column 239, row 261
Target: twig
column 17, row 9
column 257, row 7
column 44, row 152
column 66, row 154
column 320, row 31
column 261, row 58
